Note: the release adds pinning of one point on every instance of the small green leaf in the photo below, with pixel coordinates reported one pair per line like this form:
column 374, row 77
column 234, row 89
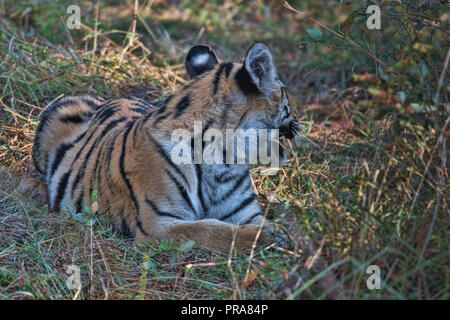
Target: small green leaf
column 422, row 108
column 419, row 26
column 424, row 69
column 187, row 246
column 315, row 34
column 86, row 210
column 383, row 75
column 94, row 196
column 90, row 223
column 402, row 96
column 373, row 91
column 79, row 217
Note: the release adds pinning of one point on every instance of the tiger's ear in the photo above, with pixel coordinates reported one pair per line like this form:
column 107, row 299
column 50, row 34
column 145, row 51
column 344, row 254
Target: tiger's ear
column 200, row 59
column 259, row 65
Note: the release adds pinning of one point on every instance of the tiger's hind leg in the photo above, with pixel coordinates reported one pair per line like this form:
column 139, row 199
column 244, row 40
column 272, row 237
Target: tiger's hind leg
column 209, row 233
column 60, row 121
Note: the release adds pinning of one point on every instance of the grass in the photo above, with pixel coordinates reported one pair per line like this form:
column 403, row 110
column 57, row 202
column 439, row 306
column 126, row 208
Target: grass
column 353, row 193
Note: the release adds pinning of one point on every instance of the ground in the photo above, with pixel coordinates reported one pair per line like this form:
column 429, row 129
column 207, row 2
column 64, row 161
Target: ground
column 366, row 182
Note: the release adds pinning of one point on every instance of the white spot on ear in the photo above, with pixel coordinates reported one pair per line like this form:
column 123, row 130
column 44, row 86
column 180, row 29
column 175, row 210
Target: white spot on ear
column 200, row 59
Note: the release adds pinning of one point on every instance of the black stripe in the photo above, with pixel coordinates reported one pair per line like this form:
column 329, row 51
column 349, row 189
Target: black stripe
column 91, row 102
column 106, row 110
column 164, row 116
column 168, row 99
column 137, row 125
column 76, row 118
column 182, row 105
column 241, row 206
column 188, row 86
column 61, row 152
column 162, row 105
column 237, row 184
column 141, row 227
column 108, row 159
column 198, row 171
column 245, row 83
column 85, row 144
column 79, row 203
column 59, row 155
column 159, row 212
column 95, row 176
column 162, row 109
column 105, row 114
column 82, row 168
column 35, row 156
column 63, row 103
column 228, row 68
column 226, row 109
column 61, row 189
column 206, row 127
column 107, row 171
column 217, row 78
column 142, row 105
column 127, row 181
column 149, row 114
column 139, row 110
column 51, row 109
column 122, row 170
column 182, row 191
column 253, row 216
column 163, row 154
column 223, row 178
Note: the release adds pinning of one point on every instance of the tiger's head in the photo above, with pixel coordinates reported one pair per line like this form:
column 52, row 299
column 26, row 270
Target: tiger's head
column 250, row 93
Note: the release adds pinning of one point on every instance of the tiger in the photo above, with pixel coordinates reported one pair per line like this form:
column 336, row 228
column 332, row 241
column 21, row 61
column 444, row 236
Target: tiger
column 121, row 148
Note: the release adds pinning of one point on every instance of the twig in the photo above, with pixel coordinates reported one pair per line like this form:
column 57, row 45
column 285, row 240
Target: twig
column 150, row 32
column 30, row 105
column 15, row 114
column 428, row 165
column 94, row 47
column 441, row 78
column 132, row 30
column 438, row 199
column 252, row 251
column 133, row 24
column 236, row 289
